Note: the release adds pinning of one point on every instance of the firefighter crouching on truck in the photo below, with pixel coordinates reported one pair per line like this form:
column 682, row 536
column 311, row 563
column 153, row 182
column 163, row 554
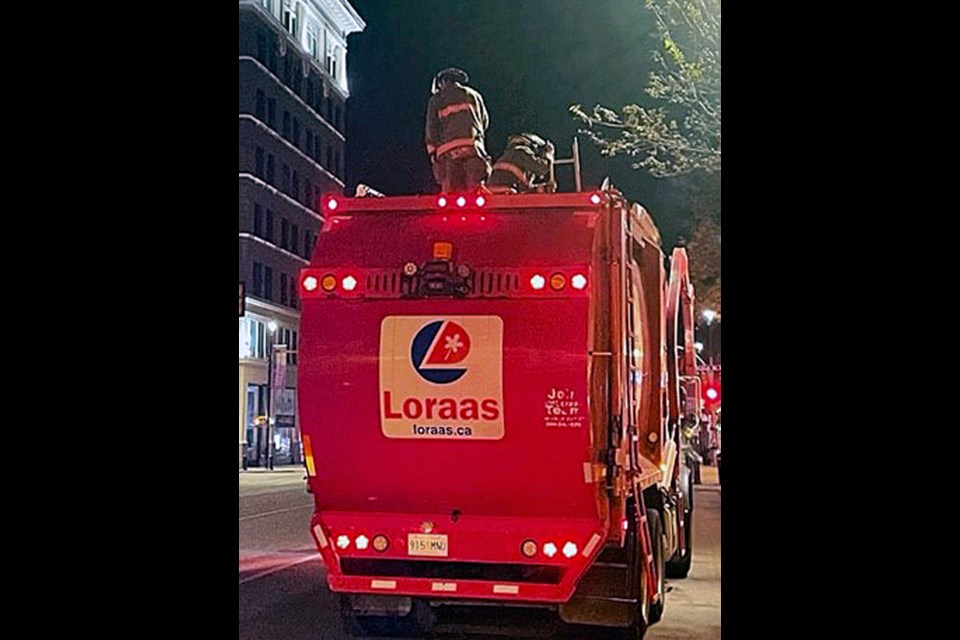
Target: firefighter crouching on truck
column 456, row 123
column 525, row 166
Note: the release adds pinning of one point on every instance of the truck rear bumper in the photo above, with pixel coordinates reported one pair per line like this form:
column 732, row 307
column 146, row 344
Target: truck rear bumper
column 475, row 558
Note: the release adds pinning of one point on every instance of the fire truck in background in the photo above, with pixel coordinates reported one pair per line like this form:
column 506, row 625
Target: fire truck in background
column 492, row 390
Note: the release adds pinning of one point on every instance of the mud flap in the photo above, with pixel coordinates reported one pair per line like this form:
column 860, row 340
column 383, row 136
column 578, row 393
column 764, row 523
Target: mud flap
column 603, row 597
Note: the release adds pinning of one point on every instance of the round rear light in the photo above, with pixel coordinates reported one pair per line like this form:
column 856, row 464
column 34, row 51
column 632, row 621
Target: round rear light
column 343, row 541
column 579, row 281
column 549, row 549
column 595, row 198
column 380, row 542
column 538, row 281
column 362, row 542
column 461, row 201
column 481, row 201
column 310, row 283
column 332, row 204
column 410, row 268
column 570, row 549
column 349, row 283
column 329, row 283
column 528, row 548
column 557, row 281
column 441, row 201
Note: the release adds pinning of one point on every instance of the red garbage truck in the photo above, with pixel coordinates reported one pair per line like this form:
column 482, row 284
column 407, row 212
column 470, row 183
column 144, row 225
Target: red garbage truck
column 491, row 391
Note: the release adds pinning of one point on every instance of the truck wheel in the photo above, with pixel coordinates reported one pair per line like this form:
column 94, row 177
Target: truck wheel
column 656, row 539
column 679, row 565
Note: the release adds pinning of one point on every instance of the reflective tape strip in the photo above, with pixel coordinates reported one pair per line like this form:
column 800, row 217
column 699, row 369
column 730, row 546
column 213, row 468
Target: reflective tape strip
column 453, row 108
column 321, row 539
column 506, row 588
column 454, row 144
column 591, row 545
column 308, row 456
column 383, row 584
column 512, row 168
column 444, row 586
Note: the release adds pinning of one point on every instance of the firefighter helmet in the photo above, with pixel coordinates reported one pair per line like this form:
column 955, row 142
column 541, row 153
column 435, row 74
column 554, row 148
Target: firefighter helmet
column 531, row 140
column 449, row 75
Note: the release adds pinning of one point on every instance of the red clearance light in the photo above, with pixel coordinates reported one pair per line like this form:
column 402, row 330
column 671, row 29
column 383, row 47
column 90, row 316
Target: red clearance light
column 310, row 283
column 595, row 198
column 349, row 283
column 538, row 281
column 579, row 281
column 332, row 204
column 712, row 393
column 481, row 201
column 441, row 201
column 461, row 201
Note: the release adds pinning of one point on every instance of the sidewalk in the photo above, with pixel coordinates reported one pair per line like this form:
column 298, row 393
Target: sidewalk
column 280, row 468
column 709, row 475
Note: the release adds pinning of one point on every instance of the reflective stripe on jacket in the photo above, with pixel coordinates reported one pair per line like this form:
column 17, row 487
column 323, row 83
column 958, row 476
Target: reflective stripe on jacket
column 517, row 167
column 456, row 117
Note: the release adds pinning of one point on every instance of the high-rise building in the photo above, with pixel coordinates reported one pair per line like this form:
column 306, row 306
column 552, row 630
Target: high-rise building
column 293, row 90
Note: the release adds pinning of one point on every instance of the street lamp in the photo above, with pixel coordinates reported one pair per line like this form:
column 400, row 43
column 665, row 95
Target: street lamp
column 272, row 326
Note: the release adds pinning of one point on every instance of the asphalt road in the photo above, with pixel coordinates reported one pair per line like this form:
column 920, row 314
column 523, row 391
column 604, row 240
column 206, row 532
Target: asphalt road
column 283, row 593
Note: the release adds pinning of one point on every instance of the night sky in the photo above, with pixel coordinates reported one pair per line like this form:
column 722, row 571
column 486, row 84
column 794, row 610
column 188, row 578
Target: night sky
column 530, row 59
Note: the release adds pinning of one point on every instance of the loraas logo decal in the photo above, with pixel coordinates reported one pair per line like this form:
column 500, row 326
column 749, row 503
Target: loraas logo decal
column 437, row 349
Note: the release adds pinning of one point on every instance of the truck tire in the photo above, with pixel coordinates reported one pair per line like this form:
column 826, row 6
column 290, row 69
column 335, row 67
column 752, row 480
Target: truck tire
column 679, row 565
column 656, row 540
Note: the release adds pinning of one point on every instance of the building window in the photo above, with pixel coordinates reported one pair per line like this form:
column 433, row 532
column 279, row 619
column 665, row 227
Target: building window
column 329, row 164
column 257, row 279
column 286, row 70
column 293, row 292
column 258, row 166
column 296, row 186
column 269, row 235
column 313, row 45
column 261, row 105
column 286, row 125
column 260, row 340
column 328, row 109
column 310, row 91
column 296, row 133
column 293, row 344
column 283, row 288
column 268, row 283
column 308, row 147
column 294, row 238
column 284, row 233
column 336, row 163
column 257, row 220
column 336, row 118
column 308, row 194
column 307, row 244
column 272, row 113
column 317, row 155
column 285, row 179
column 289, row 18
column 270, row 168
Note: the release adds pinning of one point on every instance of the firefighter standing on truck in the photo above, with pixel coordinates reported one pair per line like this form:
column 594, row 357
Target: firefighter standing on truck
column 527, row 159
column 456, row 122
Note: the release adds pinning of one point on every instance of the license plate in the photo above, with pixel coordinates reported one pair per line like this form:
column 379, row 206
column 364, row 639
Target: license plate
column 425, row 544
